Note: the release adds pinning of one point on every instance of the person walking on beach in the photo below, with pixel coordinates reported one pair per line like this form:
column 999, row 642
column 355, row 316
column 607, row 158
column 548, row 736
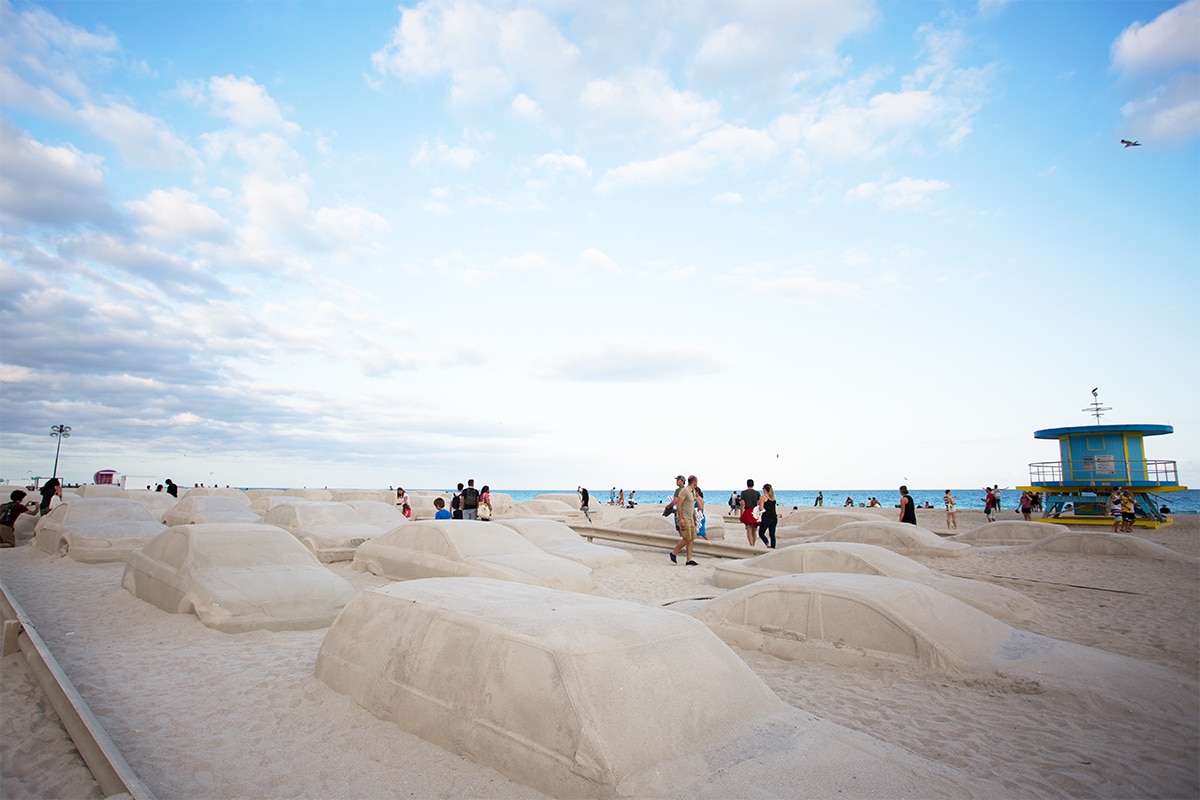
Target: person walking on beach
column 10, row 512
column 402, row 502
column 749, row 502
column 768, row 516
column 456, row 503
column 684, row 506
column 951, row 510
column 583, row 502
column 989, row 504
column 701, row 519
column 820, row 501
column 1026, row 506
column 908, row 509
column 470, row 501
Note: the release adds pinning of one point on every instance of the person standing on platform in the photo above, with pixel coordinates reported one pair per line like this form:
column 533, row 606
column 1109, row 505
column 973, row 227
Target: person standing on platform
column 908, row 509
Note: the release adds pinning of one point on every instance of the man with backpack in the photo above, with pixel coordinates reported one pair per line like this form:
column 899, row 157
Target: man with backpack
column 470, row 501
column 9, row 513
column 456, row 503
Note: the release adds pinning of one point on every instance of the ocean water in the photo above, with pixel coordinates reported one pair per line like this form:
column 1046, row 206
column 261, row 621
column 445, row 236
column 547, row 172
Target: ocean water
column 1187, row 502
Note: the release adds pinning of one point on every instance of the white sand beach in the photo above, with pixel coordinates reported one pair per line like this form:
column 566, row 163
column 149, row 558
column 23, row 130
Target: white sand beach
column 200, row 713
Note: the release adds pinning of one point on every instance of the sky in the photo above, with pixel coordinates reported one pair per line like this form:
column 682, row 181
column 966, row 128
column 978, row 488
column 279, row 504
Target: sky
column 818, row 243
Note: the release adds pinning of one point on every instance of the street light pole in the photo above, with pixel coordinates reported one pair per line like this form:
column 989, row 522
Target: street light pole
column 59, row 432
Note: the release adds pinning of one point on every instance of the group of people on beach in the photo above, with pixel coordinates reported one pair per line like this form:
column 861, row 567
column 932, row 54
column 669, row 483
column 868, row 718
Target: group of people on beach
column 1123, row 510
column 616, row 497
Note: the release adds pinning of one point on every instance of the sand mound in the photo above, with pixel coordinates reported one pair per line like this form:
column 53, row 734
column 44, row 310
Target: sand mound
column 897, row 536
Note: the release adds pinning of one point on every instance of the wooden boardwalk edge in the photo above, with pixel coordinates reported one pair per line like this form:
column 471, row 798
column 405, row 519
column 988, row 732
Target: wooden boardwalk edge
column 113, row 774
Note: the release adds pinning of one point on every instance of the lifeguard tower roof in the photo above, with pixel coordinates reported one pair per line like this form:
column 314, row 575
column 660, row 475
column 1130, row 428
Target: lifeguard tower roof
column 1144, row 430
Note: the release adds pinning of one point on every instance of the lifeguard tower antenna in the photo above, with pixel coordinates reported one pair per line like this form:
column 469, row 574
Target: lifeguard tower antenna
column 1095, row 409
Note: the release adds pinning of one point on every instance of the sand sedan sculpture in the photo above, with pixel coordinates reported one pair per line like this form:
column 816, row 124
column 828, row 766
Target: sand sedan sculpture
column 331, row 531
column 589, row 697
column 236, row 577
column 558, row 539
column 97, row 529
column 209, row 508
column 869, row 559
column 871, row 621
column 468, row 549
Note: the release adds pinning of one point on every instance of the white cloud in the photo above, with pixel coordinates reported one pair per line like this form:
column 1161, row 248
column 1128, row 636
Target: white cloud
column 1161, row 59
column 642, row 106
column 175, row 216
column 526, row 108
column 247, row 105
column 727, row 198
column 1167, row 41
column 560, row 164
column 735, row 148
column 486, row 51
column 140, row 138
column 780, row 37
column 595, row 259
column 462, row 156
column 610, row 359
column 44, row 184
column 905, row 194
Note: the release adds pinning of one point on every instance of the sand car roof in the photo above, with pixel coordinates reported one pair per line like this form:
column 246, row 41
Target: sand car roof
column 310, row 513
column 464, row 537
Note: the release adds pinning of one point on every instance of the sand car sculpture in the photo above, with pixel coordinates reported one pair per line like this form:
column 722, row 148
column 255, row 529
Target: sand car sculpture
column 202, row 508
column 558, row 539
column 875, row 621
column 236, row 577
column 97, row 529
column 332, row 531
column 467, row 549
column 580, row 696
column 869, row 559
column 896, row 536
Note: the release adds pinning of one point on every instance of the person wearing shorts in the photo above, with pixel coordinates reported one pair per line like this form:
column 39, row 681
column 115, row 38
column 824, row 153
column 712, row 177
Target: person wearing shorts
column 1128, row 514
column 684, row 505
column 750, row 497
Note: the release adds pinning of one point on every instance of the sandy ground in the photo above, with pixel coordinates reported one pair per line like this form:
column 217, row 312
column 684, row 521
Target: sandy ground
column 198, row 713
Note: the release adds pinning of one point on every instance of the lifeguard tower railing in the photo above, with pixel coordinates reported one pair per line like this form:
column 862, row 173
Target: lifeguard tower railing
column 1101, row 471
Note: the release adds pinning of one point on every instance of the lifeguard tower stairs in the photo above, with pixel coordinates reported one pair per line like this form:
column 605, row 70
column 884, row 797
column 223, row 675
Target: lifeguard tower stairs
column 1095, row 460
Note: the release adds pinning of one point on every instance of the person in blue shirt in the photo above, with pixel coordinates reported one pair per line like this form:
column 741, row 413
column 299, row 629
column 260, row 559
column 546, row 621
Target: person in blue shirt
column 440, row 505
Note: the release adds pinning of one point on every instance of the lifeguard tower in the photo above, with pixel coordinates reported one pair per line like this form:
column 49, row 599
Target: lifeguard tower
column 1095, row 460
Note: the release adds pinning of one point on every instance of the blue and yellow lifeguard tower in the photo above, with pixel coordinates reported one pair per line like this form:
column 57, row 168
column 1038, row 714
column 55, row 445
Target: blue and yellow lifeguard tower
column 1095, row 460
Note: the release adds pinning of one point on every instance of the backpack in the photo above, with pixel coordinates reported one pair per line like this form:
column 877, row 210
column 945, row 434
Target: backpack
column 470, row 497
column 9, row 512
